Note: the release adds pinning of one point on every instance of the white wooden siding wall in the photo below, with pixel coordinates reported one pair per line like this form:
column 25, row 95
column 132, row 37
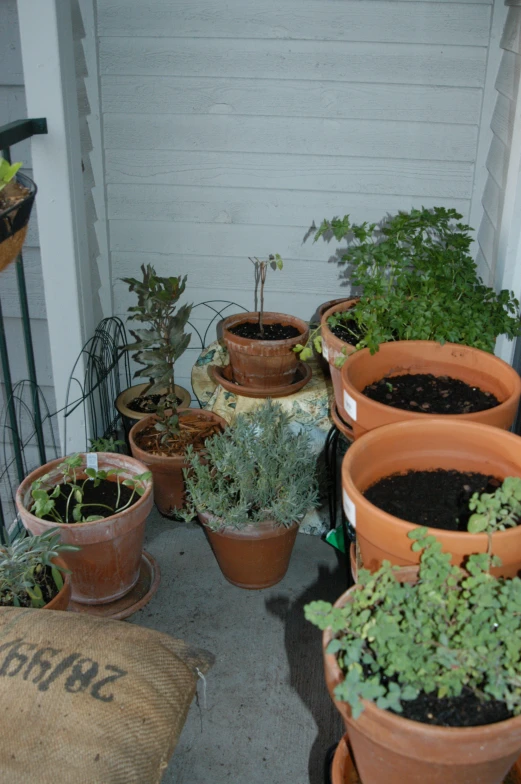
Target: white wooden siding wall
column 230, row 128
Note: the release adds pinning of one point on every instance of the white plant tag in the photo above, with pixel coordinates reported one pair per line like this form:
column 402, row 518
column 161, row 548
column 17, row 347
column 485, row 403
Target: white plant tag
column 325, row 351
column 92, row 460
column 349, row 509
column 350, row 405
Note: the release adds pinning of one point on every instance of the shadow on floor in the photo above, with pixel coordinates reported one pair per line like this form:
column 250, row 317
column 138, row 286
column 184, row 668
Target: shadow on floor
column 303, row 643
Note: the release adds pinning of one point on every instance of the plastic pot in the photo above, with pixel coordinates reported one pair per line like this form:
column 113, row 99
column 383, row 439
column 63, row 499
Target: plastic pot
column 263, row 363
column 108, row 563
column 129, row 417
column 333, row 348
column 169, row 483
column 256, row 556
column 422, row 445
column 388, row 748
column 471, row 365
column 14, row 222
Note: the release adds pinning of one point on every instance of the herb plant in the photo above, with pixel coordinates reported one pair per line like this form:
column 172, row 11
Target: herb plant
column 496, row 511
column 109, row 444
column 256, row 470
column 452, row 629
column 261, row 270
column 158, row 346
column 72, row 490
column 7, row 172
column 24, row 562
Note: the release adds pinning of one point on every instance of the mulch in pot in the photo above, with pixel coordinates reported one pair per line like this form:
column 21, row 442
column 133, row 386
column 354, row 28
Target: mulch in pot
column 106, row 492
column 251, row 331
column 13, row 193
column 147, row 404
column 437, row 499
column 42, row 577
column 194, row 430
column 428, row 394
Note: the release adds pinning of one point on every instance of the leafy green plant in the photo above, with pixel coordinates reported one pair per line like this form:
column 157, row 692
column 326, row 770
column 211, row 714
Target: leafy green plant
column 261, row 270
column 72, row 490
column 24, row 562
column 109, row 444
column 451, row 629
column 496, row 511
column 7, row 172
column 160, row 345
column 256, row 470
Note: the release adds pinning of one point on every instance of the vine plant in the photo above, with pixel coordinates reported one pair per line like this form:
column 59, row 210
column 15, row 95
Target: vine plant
column 261, row 270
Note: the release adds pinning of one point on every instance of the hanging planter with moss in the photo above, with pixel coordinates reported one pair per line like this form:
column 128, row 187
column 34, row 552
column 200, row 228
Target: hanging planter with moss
column 17, row 194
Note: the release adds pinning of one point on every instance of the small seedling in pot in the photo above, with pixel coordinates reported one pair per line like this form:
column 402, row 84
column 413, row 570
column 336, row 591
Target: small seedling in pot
column 105, row 444
column 7, row 172
column 261, row 270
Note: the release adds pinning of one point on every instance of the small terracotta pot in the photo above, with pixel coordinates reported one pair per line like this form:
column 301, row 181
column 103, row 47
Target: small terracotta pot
column 437, row 442
column 333, row 348
column 169, row 483
column 124, row 398
column 471, row 365
column 388, row 748
column 263, row 363
column 322, row 361
column 254, row 557
column 63, row 597
column 108, row 563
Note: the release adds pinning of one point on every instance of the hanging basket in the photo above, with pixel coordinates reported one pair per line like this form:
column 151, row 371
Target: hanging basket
column 15, row 219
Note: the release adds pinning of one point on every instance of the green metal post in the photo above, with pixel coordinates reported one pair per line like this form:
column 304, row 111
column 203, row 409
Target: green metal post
column 8, row 384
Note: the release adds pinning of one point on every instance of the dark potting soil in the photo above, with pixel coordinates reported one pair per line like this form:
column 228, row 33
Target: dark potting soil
column 105, row 493
column 438, row 499
column 147, row 404
column 350, row 333
column 428, row 394
column 463, row 711
column 47, row 585
column 251, row 331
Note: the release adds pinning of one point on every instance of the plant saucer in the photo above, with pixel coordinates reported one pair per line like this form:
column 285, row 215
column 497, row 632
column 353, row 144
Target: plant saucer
column 224, row 377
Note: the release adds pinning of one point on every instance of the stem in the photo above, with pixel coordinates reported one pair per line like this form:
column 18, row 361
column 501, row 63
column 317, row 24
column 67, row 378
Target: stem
column 128, row 502
column 67, row 505
column 263, row 271
column 119, row 491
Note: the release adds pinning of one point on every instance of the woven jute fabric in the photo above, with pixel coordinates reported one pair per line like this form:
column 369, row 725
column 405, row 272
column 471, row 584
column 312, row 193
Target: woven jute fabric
column 11, row 247
column 90, row 701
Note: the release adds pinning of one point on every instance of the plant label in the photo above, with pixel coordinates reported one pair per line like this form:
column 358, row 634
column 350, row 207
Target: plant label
column 349, row 509
column 350, row 405
column 92, row 460
column 325, row 351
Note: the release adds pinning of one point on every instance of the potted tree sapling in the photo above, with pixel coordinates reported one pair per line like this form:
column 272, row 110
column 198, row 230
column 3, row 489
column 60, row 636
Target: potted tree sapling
column 427, row 673
column 157, row 302
column 98, row 503
column 250, row 492
column 159, row 440
column 17, row 194
column 261, row 344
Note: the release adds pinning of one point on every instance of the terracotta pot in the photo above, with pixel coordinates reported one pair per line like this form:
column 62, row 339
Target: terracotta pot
column 63, row 597
column 169, row 483
column 254, row 557
column 333, row 348
column 471, row 365
column 107, row 566
column 388, row 748
column 322, row 361
column 437, row 442
column 124, row 398
column 263, row 363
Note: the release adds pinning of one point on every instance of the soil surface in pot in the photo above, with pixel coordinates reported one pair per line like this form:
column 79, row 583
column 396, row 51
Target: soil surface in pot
column 348, row 331
column 43, row 579
column 428, row 394
column 251, row 331
column 147, row 404
column 95, row 499
column 463, row 711
column 194, row 430
column 438, row 499
column 12, row 194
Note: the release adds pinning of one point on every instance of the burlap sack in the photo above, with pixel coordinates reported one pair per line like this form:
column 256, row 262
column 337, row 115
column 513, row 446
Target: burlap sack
column 90, row 701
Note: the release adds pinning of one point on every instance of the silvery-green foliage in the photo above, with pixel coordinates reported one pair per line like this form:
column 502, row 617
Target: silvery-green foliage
column 449, row 630
column 496, row 511
column 256, row 470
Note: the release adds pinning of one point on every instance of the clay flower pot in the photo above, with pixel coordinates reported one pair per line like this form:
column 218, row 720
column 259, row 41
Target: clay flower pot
column 256, row 556
column 63, row 597
column 108, row 563
column 333, row 348
column 127, row 396
column 388, row 748
column 471, row 365
column 422, row 445
column 169, row 483
column 322, row 361
column 263, row 363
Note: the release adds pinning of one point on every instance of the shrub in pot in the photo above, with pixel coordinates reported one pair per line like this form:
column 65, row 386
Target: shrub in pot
column 101, row 510
column 261, row 344
column 17, row 194
column 255, row 484
column 427, row 674
column 441, row 449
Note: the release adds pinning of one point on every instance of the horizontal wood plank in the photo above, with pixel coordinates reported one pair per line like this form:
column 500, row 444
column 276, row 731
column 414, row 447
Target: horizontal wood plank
column 491, row 200
column 497, row 161
column 486, row 240
column 34, row 281
column 503, row 119
column 454, row 66
column 378, row 20
column 42, row 352
column 508, row 73
column 511, row 38
column 11, row 70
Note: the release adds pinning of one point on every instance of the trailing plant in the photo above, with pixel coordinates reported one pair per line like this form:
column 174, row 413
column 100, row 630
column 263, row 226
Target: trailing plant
column 496, row 511
column 24, row 561
column 160, row 345
column 257, row 470
column 7, row 172
column 451, row 630
column 261, row 270
column 109, row 444
column 72, row 490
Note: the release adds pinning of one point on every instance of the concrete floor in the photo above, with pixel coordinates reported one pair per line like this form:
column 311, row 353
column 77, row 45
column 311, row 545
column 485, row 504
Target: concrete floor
column 268, row 718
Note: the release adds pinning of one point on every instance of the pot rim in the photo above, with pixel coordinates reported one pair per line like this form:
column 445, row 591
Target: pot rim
column 271, row 317
column 263, row 527
column 141, row 424
column 122, row 407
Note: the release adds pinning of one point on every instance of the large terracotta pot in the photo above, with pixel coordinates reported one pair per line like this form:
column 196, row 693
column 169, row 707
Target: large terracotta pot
column 437, row 442
column 107, row 565
column 256, row 556
column 263, row 363
column 169, row 483
column 63, row 597
column 334, row 348
column 322, row 361
column 471, row 365
column 127, row 396
column 388, row 748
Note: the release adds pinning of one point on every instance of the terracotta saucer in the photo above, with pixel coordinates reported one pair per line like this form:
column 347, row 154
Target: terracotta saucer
column 146, row 586
column 224, row 377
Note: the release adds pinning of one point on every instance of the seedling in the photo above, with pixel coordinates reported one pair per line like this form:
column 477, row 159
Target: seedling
column 496, row 511
column 261, row 270
column 7, row 172
column 105, row 444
